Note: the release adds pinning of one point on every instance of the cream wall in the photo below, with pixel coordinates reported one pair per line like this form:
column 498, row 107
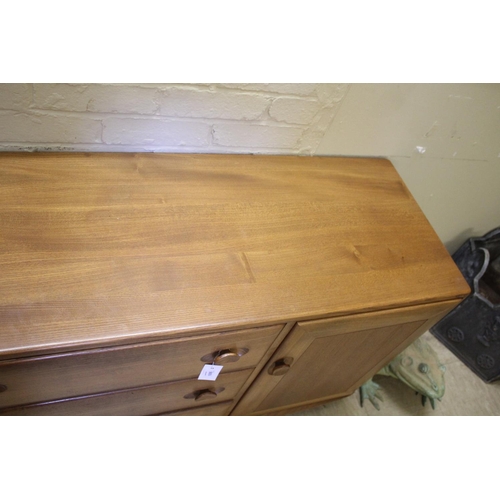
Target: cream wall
column 444, row 140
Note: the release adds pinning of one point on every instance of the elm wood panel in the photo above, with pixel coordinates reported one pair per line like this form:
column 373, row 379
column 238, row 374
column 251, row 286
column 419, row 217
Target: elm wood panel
column 333, row 357
column 215, row 410
column 31, row 380
column 417, row 333
column 113, row 248
column 73, row 180
column 159, row 274
column 330, row 365
column 66, row 323
column 149, row 400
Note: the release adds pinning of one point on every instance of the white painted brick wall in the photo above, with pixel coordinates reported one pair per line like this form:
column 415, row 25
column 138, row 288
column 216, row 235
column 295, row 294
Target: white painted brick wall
column 96, row 98
column 280, row 118
column 46, row 128
column 246, row 135
column 155, row 132
column 201, row 103
column 15, row 96
column 294, row 110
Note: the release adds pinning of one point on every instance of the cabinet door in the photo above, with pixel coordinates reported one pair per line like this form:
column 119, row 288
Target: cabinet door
column 330, row 358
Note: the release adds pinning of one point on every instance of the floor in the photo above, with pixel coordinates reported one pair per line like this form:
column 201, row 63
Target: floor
column 465, row 394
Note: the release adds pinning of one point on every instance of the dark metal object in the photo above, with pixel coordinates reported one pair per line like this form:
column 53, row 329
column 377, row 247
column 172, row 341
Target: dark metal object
column 472, row 330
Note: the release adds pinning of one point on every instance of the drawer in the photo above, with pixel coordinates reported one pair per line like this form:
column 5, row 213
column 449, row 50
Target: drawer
column 149, row 400
column 81, row 373
column 215, row 410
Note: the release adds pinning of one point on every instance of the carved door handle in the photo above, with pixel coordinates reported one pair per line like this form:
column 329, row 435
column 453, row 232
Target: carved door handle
column 281, row 366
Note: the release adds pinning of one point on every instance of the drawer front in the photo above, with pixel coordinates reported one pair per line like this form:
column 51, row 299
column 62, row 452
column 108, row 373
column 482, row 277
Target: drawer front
column 215, row 410
column 47, row 378
column 149, row 400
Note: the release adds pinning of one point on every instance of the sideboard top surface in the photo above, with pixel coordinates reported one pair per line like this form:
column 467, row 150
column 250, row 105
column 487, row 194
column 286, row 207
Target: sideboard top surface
column 110, row 248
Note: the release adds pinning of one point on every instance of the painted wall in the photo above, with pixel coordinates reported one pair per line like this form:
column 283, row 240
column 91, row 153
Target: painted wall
column 213, row 118
column 444, row 140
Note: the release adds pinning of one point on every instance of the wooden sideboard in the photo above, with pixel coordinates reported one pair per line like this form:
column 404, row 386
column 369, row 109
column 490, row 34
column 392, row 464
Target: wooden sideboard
column 122, row 275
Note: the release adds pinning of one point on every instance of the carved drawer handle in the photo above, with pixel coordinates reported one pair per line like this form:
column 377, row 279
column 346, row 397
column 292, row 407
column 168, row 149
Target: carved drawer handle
column 281, row 366
column 224, row 356
column 3, row 388
column 203, row 394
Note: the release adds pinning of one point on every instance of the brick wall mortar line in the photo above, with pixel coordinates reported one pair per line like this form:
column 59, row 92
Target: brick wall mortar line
column 254, row 92
column 212, row 132
column 200, row 87
column 32, row 85
column 104, row 115
column 264, row 92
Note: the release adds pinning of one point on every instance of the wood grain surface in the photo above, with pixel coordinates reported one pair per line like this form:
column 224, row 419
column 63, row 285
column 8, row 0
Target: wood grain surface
column 102, row 249
column 147, row 400
column 333, row 357
column 56, row 376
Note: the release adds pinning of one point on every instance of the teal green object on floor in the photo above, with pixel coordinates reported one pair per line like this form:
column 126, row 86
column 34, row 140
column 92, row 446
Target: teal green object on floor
column 418, row 366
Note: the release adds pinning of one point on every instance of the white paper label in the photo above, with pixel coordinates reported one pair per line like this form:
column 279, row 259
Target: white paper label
column 210, row 372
